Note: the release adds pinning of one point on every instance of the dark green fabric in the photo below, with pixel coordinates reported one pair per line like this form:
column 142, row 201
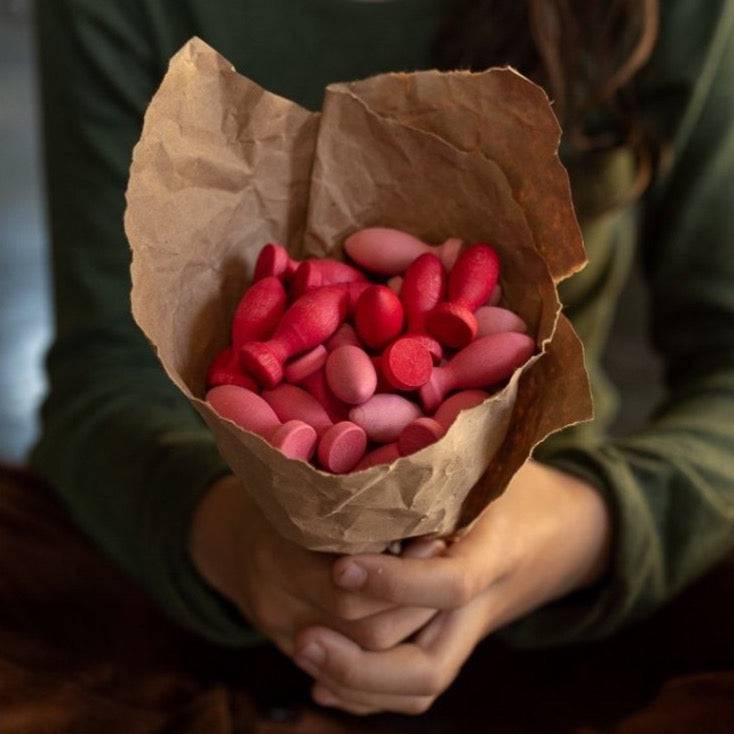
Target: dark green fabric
column 130, row 458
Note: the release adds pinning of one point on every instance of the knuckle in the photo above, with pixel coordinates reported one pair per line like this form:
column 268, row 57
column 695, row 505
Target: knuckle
column 419, row 705
column 346, row 606
column 433, row 681
column 362, row 711
column 376, row 635
column 344, row 672
column 461, row 588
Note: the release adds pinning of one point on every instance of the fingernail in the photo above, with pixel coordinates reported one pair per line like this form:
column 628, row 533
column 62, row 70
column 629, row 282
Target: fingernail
column 311, row 657
column 352, row 576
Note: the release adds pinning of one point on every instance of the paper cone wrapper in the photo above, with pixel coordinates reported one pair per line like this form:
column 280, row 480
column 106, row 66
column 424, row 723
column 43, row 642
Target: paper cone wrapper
column 223, row 167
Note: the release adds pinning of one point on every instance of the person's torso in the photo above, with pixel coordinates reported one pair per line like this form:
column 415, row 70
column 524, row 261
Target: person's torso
column 296, row 48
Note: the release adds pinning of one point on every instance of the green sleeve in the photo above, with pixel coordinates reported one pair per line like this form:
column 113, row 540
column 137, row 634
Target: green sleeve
column 671, row 486
column 125, row 451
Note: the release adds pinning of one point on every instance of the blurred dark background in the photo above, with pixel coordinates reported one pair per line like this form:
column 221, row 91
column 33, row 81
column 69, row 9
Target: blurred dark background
column 25, row 318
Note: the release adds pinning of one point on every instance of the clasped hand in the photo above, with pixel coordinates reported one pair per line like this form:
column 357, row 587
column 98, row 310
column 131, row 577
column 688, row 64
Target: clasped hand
column 386, row 633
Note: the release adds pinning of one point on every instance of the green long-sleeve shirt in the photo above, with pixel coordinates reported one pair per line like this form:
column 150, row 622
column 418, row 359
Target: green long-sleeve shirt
column 130, row 458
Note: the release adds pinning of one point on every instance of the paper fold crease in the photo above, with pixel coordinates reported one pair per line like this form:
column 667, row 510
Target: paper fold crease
column 223, row 166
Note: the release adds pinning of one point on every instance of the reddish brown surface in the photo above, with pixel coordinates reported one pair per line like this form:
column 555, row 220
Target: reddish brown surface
column 407, row 363
column 259, row 311
column 344, row 336
column 312, row 319
column 316, row 273
column 301, row 367
column 274, row 260
column 317, row 385
column 419, row 434
column 342, row 447
column 82, row 651
column 424, row 431
column 471, row 282
column 385, row 454
column 293, row 403
column 378, row 316
column 383, row 417
column 295, row 438
column 485, row 362
column 351, row 374
column 225, row 370
column 423, row 288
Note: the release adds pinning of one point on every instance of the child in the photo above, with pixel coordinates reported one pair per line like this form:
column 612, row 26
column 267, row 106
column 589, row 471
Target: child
column 594, row 532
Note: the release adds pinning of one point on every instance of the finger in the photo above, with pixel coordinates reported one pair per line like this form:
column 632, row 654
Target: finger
column 345, row 605
column 446, row 582
column 424, row 548
column 451, row 636
column 421, row 669
column 386, row 629
column 334, row 660
column 458, row 573
column 363, row 703
column 323, row 697
column 350, row 607
column 308, row 576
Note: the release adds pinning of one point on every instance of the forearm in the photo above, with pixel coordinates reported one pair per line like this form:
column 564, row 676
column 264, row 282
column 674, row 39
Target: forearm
column 131, row 459
column 670, row 489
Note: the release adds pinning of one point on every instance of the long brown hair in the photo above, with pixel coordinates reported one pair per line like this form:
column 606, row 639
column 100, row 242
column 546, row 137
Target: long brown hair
column 585, row 53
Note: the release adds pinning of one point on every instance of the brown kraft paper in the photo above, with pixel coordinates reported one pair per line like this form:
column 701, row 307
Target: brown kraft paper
column 223, row 167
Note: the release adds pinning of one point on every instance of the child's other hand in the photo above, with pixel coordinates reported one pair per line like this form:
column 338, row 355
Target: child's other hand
column 547, row 535
column 279, row 586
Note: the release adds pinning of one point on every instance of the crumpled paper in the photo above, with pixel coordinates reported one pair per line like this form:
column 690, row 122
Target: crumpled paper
column 223, row 166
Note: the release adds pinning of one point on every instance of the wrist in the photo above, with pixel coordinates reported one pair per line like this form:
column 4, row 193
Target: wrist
column 562, row 530
column 583, row 532
column 594, row 516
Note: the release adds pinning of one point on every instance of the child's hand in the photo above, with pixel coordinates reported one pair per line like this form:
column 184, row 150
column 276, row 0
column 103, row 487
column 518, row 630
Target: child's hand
column 281, row 587
column 546, row 536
